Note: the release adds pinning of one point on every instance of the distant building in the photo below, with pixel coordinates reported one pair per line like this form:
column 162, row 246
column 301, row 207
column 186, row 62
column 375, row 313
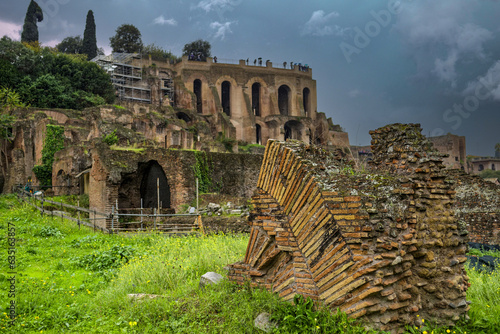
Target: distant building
column 484, row 163
column 454, row 146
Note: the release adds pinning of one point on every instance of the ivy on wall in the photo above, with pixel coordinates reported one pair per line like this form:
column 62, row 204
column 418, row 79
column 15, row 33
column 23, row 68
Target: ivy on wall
column 54, row 141
column 203, row 170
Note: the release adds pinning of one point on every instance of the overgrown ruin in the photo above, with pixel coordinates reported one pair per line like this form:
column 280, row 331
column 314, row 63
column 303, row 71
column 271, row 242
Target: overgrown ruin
column 383, row 245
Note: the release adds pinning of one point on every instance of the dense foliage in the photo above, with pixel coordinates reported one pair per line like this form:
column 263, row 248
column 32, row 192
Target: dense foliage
column 159, row 54
column 34, row 14
column 127, row 39
column 45, row 78
column 89, row 46
column 490, row 174
column 72, row 44
column 54, row 141
column 198, row 46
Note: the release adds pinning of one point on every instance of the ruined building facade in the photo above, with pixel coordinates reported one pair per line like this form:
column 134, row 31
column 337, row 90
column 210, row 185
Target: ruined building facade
column 250, row 103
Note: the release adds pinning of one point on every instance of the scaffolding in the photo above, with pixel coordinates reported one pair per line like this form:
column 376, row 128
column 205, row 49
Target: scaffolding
column 126, row 78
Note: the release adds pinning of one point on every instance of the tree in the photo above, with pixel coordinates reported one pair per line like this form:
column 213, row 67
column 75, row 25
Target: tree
column 9, row 100
column 127, row 39
column 73, row 45
column 157, row 53
column 30, row 30
column 89, row 39
column 199, row 46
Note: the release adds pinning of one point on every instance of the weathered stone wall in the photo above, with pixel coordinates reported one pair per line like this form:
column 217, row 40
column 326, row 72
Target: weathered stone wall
column 384, row 245
column 117, row 175
column 478, row 207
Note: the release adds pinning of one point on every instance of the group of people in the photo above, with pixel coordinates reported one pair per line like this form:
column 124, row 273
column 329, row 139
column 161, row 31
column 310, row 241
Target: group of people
column 303, row 68
column 196, row 56
column 259, row 60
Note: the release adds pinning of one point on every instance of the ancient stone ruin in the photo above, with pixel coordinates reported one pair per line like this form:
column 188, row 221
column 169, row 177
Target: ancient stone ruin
column 382, row 245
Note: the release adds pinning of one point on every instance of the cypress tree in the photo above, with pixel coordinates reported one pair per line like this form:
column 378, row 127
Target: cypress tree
column 89, row 39
column 34, row 14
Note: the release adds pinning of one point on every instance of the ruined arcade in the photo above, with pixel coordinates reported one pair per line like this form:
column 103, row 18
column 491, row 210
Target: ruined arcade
column 382, row 245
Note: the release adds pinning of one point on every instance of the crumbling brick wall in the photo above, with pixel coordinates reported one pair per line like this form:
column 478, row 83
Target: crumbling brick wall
column 382, row 245
column 478, row 207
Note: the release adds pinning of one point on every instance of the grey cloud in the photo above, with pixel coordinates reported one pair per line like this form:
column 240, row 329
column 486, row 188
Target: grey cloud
column 487, row 85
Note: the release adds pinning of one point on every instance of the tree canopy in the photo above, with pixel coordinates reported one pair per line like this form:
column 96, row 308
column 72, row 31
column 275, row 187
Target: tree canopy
column 89, row 46
column 127, row 39
column 199, row 46
column 48, row 79
column 158, row 53
column 34, row 14
column 71, row 45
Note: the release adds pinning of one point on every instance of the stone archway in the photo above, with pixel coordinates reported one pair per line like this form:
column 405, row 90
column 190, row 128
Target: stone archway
column 284, row 96
column 306, row 101
column 226, row 97
column 256, row 99
column 293, row 130
column 153, row 173
column 198, row 94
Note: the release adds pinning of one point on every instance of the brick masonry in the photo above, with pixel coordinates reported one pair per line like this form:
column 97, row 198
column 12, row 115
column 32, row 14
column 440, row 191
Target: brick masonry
column 383, row 245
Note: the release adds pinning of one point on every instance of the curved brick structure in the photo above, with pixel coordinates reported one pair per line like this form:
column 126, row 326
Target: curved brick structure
column 382, row 245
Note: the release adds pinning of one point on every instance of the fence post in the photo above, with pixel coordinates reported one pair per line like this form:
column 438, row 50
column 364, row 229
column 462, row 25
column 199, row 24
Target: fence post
column 141, row 214
column 113, row 218
column 154, row 218
column 61, row 211
column 197, row 194
column 94, row 220
column 78, row 204
column 42, row 206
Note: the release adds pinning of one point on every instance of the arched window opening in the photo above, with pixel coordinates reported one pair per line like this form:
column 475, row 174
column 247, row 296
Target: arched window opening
column 284, row 99
column 481, row 167
column 492, row 166
column 256, row 99
column 306, row 101
column 258, row 134
column 197, row 93
column 226, row 97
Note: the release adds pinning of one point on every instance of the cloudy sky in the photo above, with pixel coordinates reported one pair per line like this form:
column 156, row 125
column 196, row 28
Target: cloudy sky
column 376, row 62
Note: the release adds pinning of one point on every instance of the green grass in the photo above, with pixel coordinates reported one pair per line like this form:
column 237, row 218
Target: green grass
column 72, row 280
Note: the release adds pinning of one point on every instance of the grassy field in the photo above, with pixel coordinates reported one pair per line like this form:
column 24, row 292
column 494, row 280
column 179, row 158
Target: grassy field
column 74, row 280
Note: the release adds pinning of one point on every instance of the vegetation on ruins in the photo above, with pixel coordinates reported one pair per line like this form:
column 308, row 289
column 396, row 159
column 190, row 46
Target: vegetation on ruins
column 111, row 138
column 34, row 14
column 490, row 174
column 54, row 141
column 158, row 53
column 203, row 170
column 199, row 46
column 9, row 99
column 73, row 280
column 46, row 78
column 127, row 39
column 89, row 46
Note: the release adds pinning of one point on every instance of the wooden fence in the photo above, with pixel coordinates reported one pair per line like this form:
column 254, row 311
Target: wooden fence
column 116, row 222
